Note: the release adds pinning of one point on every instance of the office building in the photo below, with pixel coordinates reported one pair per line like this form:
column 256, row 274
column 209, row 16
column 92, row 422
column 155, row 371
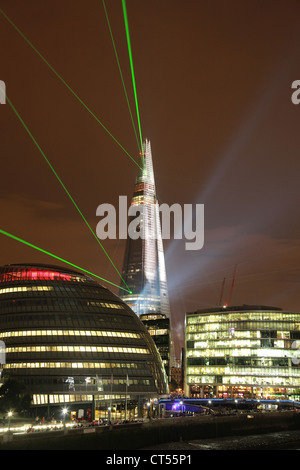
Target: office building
column 242, row 352
column 158, row 327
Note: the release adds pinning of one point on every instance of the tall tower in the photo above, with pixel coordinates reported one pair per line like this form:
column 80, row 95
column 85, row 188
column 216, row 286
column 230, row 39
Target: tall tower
column 144, row 265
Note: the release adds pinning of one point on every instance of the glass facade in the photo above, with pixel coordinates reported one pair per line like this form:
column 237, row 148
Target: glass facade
column 242, row 352
column 159, row 328
column 66, row 336
column 144, row 265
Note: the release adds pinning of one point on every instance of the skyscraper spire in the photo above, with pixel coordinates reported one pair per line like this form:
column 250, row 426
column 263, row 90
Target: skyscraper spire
column 144, row 266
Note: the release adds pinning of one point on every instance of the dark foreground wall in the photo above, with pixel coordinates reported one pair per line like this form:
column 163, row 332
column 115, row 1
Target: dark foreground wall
column 158, row 432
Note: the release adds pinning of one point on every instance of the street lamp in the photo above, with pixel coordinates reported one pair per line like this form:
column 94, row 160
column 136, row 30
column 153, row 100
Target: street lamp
column 148, row 409
column 64, row 412
column 9, row 414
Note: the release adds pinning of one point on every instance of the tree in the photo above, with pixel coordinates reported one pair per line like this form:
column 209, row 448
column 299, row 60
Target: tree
column 25, row 404
column 11, row 395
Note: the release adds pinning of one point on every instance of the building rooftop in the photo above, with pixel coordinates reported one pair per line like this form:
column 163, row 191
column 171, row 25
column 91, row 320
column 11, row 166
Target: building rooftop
column 39, row 266
column 238, row 308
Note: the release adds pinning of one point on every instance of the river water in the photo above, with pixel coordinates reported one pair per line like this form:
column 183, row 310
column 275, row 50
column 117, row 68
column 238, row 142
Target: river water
column 283, row 440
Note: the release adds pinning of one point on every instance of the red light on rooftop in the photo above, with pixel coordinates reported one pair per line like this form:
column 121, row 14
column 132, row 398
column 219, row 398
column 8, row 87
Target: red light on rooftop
column 33, row 274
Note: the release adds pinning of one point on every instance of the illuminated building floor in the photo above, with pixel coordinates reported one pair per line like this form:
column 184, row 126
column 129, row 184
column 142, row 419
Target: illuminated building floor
column 242, row 352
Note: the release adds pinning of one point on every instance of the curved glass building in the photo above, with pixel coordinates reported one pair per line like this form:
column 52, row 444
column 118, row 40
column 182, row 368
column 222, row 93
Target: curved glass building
column 243, row 352
column 72, row 341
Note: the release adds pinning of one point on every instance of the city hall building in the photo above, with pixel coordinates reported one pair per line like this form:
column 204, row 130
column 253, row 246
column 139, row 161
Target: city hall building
column 72, row 342
column 242, row 352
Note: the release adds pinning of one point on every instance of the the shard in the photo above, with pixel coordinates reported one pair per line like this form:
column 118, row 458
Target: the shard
column 144, row 266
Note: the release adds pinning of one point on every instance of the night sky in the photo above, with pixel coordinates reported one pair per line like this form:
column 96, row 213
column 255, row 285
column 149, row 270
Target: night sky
column 214, row 91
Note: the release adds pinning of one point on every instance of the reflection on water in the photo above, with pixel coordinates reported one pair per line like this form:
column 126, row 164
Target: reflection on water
column 287, row 440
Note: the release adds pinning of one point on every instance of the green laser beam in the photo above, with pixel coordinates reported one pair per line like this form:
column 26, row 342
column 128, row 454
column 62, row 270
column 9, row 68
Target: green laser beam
column 62, row 184
column 7, row 234
column 68, row 87
column 131, row 67
column 119, row 67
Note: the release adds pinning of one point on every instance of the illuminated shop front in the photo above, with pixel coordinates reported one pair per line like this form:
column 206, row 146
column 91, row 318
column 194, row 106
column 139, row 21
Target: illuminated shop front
column 72, row 342
column 242, row 352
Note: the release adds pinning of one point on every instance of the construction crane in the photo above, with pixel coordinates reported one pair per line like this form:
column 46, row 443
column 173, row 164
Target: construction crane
column 227, row 303
column 222, row 291
column 231, row 290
